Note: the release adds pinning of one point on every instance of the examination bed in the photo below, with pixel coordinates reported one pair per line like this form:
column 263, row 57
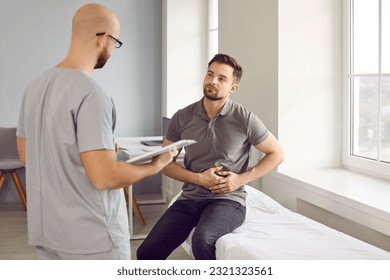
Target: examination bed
column 273, row 232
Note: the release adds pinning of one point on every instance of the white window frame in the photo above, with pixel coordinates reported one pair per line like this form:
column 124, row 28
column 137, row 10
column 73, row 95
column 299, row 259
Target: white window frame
column 371, row 167
column 212, row 31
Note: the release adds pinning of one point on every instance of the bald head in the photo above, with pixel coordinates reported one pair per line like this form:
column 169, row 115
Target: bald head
column 93, row 18
column 88, row 50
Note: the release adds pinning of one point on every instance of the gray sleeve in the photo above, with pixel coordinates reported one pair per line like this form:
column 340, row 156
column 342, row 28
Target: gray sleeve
column 173, row 132
column 257, row 131
column 95, row 122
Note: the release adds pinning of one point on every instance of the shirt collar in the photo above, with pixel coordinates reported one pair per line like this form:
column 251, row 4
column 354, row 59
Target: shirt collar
column 227, row 108
column 201, row 112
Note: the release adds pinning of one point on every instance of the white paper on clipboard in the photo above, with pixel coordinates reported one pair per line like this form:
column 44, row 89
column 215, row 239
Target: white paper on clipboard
column 151, row 154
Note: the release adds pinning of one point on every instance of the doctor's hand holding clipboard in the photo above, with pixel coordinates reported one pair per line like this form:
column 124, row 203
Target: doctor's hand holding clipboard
column 163, row 153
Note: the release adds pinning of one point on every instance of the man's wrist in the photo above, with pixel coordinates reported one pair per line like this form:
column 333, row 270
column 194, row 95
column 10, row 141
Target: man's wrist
column 196, row 179
column 157, row 165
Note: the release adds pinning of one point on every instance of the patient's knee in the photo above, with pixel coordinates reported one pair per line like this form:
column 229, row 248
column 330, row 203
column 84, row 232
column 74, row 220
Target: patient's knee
column 203, row 245
column 146, row 252
column 204, row 237
column 142, row 253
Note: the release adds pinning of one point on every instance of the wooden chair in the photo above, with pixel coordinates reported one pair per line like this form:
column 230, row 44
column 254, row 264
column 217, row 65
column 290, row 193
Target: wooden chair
column 136, row 209
column 10, row 162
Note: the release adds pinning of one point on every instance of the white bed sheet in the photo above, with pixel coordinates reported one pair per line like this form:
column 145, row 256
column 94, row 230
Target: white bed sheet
column 273, row 232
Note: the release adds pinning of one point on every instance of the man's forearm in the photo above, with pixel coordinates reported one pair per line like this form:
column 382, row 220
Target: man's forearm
column 268, row 163
column 179, row 173
column 105, row 172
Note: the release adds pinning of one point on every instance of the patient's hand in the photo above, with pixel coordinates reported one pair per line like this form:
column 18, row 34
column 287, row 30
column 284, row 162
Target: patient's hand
column 229, row 182
column 209, row 178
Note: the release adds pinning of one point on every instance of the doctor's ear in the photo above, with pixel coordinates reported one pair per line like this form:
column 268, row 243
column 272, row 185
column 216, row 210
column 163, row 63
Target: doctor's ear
column 101, row 41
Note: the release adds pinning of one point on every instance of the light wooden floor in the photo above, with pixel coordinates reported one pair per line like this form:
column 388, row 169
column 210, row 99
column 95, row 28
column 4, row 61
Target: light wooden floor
column 13, row 233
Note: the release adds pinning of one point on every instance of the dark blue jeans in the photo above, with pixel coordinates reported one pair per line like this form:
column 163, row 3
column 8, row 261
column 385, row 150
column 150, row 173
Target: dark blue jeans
column 212, row 218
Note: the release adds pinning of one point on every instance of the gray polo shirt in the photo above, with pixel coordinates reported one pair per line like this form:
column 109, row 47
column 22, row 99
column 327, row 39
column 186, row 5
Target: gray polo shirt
column 63, row 113
column 225, row 140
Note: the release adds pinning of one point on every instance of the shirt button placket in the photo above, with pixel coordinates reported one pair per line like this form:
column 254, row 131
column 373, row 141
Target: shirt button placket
column 210, row 128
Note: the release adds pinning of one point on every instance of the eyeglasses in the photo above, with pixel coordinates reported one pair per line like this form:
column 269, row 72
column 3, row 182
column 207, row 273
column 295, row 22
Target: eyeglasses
column 118, row 43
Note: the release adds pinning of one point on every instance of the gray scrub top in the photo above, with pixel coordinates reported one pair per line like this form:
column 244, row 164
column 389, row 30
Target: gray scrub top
column 224, row 140
column 63, row 113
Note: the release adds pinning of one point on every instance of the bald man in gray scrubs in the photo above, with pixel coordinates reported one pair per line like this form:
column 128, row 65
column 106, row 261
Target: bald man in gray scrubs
column 216, row 167
column 76, row 207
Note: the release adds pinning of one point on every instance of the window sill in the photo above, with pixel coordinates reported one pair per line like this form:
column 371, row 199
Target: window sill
column 358, row 197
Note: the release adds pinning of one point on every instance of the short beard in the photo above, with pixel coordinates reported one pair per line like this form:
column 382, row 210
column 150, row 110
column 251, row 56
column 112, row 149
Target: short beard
column 210, row 97
column 102, row 59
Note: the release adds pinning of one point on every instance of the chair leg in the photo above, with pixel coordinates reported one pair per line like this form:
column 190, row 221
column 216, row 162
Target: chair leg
column 138, row 212
column 2, row 178
column 20, row 189
column 136, row 209
column 126, row 196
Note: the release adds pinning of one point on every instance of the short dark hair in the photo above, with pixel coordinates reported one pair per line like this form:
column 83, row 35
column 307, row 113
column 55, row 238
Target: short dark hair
column 227, row 59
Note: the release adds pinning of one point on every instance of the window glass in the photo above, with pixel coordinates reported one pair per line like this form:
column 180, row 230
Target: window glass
column 214, row 11
column 365, row 36
column 213, row 28
column 385, row 120
column 369, row 87
column 365, row 117
column 385, row 36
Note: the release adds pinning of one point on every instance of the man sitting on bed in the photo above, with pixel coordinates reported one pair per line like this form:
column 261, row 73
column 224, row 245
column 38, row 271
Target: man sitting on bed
column 212, row 199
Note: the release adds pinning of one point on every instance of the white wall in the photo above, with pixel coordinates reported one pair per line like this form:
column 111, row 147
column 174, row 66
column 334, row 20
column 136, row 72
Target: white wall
column 310, row 45
column 248, row 31
column 310, row 83
column 184, row 53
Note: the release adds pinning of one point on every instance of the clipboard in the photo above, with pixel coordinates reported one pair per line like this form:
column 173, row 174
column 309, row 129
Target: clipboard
column 151, row 154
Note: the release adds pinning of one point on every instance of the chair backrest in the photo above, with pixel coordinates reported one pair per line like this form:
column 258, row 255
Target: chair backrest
column 8, row 147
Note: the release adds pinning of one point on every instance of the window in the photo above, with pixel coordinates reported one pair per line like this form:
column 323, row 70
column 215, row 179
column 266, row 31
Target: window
column 213, row 29
column 368, row 86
